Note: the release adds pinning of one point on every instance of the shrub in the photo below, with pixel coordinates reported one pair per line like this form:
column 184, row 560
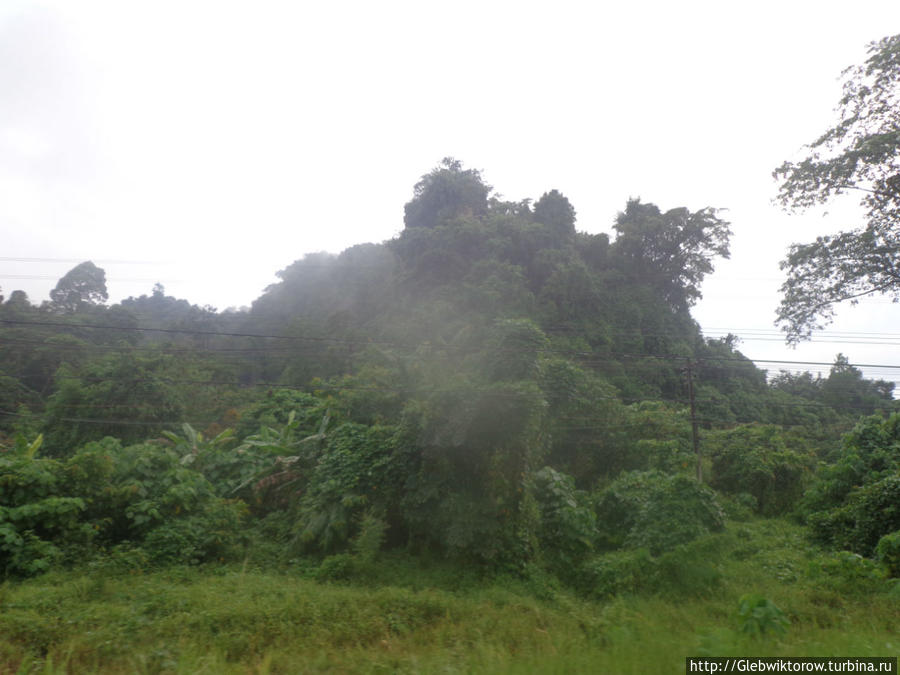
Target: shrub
column 888, row 552
column 868, row 514
column 360, row 467
column 338, row 567
column 37, row 524
column 106, row 495
column 848, row 573
column 616, row 572
column 758, row 616
column 369, row 540
column 870, row 452
column 754, row 459
column 856, row 501
column 658, row 512
column 687, row 570
column 275, row 409
column 568, row 527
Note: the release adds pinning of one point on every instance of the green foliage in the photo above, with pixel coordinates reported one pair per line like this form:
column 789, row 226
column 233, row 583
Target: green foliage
column 35, row 520
column 848, row 573
column 337, row 567
column 657, row 436
column 888, row 552
column 514, row 350
column 656, row 511
column 568, row 527
column 679, row 512
column 871, row 451
column 585, row 422
column 370, row 538
column 411, row 614
column 274, row 409
column 82, row 287
column 853, row 502
column 690, row 569
column 858, row 153
column 670, row 251
column 497, row 288
column 846, row 387
column 555, row 211
column 447, row 193
column 104, row 496
column 869, row 513
column 616, row 572
column 272, row 465
column 478, row 441
column 15, row 397
column 473, row 377
column 122, row 395
column 756, row 460
column 213, row 534
column 759, row 616
column 359, row 467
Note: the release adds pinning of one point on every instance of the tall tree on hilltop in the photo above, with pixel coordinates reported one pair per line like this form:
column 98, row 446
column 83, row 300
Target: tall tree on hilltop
column 83, row 286
column 671, row 251
column 447, row 192
column 19, row 299
column 555, row 211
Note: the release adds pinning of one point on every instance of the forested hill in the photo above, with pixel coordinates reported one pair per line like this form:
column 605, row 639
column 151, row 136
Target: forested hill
column 472, row 282
column 446, row 377
column 472, row 279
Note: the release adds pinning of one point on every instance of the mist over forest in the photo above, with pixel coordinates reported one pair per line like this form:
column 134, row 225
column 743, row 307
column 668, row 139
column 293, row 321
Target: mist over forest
column 490, row 403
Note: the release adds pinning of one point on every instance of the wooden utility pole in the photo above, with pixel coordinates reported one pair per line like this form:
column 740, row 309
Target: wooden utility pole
column 694, row 430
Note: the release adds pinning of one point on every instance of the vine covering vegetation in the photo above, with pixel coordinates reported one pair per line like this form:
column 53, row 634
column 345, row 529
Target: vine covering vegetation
column 492, row 386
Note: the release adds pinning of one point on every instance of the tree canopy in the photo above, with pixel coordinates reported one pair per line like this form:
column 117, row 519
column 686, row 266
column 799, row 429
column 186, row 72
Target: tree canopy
column 491, row 385
column 860, row 154
column 554, row 210
column 671, row 251
column 447, row 192
column 84, row 285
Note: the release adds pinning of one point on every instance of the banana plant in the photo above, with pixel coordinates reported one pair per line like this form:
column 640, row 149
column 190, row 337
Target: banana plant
column 292, row 455
column 23, row 448
column 193, row 442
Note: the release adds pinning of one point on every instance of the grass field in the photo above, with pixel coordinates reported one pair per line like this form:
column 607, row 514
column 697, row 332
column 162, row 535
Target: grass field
column 408, row 615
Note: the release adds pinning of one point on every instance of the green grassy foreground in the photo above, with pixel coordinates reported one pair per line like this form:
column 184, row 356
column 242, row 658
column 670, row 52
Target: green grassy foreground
column 408, row 616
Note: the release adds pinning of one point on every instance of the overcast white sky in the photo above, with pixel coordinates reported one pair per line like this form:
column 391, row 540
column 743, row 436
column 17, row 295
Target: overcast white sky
column 211, row 144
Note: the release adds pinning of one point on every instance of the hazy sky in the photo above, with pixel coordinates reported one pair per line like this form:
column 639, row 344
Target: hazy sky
column 206, row 145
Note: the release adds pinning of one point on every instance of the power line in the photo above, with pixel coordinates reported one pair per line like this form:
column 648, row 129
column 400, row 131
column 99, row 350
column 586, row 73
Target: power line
column 589, row 356
column 762, row 332
column 81, row 260
column 47, row 277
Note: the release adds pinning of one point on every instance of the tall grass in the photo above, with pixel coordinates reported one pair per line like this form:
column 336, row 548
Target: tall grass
column 407, row 616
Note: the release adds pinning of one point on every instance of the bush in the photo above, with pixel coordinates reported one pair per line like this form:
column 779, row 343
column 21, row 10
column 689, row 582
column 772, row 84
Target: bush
column 275, row 409
column 360, row 467
column 870, row 453
column 338, row 567
column 868, row 514
column 888, row 552
column 213, row 534
column 847, row 573
column 686, row 570
column 856, row 501
column 616, row 572
column 106, row 495
column 568, row 527
column 656, row 511
column 758, row 616
column 754, row 459
column 38, row 525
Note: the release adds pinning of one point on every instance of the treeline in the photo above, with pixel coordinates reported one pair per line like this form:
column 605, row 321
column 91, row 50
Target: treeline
column 492, row 385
